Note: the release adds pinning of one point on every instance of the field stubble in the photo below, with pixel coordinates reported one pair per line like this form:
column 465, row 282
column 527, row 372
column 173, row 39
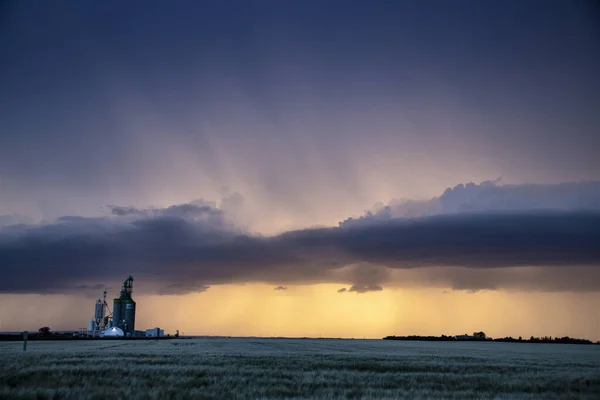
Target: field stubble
column 250, row 368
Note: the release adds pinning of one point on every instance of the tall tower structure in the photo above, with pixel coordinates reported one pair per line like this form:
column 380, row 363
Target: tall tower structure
column 101, row 317
column 124, row 308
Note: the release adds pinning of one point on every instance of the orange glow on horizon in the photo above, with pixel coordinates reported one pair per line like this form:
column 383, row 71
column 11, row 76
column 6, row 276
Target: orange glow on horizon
column 319, row 311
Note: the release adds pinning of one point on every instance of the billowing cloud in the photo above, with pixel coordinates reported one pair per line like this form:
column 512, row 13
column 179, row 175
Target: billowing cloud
column 489, row 196
column 191, row 246
column 280, row 288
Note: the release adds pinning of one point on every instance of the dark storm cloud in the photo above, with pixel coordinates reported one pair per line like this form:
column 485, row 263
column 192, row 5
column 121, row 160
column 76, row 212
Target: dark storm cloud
column 182, row 288
column 187, row 247
column 572, row 278
column 342, row 290
column 365, row 288
column 199, row 208
column 365, row 276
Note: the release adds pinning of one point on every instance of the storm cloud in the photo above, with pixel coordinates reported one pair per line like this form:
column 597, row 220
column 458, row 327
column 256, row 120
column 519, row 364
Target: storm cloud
column 189, row 247
column 365, row 288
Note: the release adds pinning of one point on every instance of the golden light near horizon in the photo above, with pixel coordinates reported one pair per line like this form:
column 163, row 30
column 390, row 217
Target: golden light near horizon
column 320, row 311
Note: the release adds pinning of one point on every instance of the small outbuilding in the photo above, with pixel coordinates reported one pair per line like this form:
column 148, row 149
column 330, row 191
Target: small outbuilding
column 156, row 332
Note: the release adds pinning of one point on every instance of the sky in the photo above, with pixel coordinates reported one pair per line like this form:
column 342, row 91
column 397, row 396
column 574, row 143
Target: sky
column 303, row 168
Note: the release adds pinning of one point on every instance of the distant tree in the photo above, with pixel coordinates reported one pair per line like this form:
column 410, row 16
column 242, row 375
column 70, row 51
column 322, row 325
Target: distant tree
column 44, row 331
column 479, row 335
column 520, row 338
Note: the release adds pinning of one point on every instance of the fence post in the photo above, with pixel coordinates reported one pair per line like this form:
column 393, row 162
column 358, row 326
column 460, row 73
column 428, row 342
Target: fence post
column 25, row 334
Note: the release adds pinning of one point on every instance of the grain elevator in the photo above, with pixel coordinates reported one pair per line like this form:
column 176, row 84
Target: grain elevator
column 121, row 321
column 124, row 308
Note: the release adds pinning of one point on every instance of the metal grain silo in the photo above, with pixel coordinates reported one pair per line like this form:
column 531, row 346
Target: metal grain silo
column 117, row 313
column 129, row 315
column 98, row 315
column 124, row 308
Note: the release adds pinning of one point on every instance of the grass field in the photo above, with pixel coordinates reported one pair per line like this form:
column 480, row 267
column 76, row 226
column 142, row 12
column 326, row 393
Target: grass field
column 249, row 368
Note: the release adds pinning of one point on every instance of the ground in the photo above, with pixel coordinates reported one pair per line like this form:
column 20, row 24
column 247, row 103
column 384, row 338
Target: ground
column 247, row 368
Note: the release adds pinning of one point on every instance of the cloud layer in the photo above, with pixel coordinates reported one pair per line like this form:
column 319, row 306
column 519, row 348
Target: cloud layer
column 489, row 196
column 188, row 247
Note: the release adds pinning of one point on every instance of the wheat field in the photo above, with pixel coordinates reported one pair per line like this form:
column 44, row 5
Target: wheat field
column 249, row 368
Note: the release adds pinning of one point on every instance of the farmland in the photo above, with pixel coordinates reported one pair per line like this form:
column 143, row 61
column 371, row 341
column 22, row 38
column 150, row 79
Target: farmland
column 249, row 368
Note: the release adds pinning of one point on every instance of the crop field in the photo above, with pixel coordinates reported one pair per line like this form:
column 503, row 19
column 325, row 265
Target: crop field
column 248, row 368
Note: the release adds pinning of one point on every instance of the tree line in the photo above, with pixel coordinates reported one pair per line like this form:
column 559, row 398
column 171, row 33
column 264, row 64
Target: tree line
column 481, row 336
